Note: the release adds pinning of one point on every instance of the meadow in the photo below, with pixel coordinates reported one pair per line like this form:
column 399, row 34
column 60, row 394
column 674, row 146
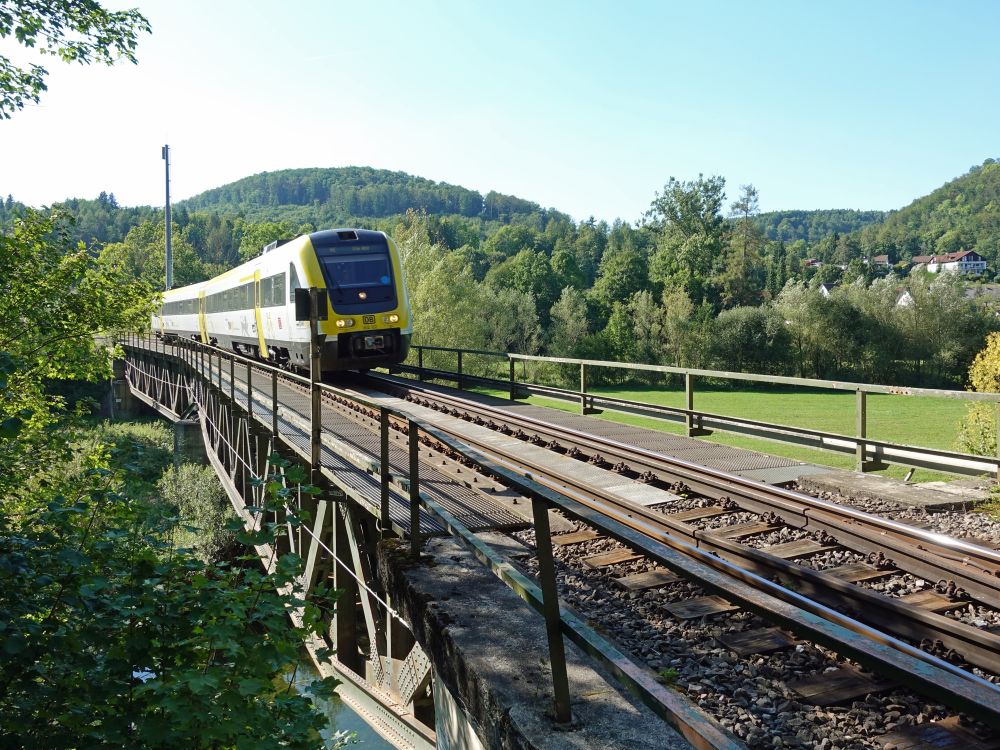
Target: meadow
column 928, row 422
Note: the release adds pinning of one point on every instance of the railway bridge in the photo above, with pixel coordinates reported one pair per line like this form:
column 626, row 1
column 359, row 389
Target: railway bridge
column 450, row 632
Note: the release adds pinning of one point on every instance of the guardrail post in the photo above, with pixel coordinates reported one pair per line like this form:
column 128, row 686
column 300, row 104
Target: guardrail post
column 420, row 362
column 459, row 380
column 274, row 407
column 583, row 388
column 550, row 606
column 315, row 397
column 414, row 440
column 512, row 391
column 383, row 432
column 997, row 405
column 861, row 427
column 249, row 395
column 689, row 404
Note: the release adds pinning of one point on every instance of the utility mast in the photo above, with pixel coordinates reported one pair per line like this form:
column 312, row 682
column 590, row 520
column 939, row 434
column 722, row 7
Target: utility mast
column 170, row 256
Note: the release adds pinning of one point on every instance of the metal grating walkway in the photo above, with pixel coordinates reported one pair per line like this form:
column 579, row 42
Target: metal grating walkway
column 747, row 463
column 474, row 510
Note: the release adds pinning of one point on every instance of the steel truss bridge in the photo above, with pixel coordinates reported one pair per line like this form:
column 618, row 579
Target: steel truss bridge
column 384, row 486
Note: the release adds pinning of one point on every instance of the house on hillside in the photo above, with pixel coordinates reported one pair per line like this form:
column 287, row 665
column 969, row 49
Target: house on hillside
column 964, row 261
column 882, row 262
column 813, row 263
column 825, row 289
column 904, row 298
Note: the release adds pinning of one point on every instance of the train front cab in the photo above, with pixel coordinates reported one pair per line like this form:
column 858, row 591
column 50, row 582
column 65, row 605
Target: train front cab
column 367, row 321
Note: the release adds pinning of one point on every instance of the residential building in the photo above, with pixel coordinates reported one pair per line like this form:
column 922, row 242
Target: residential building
column 964, row 261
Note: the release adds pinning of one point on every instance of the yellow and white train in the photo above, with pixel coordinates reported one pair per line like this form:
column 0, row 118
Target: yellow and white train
column 251, row 308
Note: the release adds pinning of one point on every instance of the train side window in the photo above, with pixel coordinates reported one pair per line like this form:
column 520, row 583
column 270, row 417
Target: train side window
column 278, row 297
column 265, row 291
column 293, row 282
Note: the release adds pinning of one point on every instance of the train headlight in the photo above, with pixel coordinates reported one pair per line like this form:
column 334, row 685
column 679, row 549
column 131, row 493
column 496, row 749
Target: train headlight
column 345, row 323
column 362, row 295
column 390, row 318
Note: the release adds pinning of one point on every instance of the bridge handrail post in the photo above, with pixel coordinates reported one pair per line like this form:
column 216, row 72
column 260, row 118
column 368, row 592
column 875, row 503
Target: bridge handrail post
column 249, row 395
column 458, row 382
column 315, row 396
column 232, row 382
column 414, row 445
column 420, row 362
column 861, row 427
column 550, row 606
column 583, row 388
column 689, row 418
column 274, row 407
column 383, row 431
column 512, row 383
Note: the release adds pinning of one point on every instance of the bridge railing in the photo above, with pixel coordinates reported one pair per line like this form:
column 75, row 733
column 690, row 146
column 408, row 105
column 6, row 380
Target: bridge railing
column 520, row 375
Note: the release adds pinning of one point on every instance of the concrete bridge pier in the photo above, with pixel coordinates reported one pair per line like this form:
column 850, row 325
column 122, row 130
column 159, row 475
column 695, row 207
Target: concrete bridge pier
column 189, row 445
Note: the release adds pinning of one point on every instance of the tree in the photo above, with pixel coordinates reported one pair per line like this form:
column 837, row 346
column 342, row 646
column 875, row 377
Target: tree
column 678, row 311
column 508, row 241
column 566, row 266
column 257, row 236
column 72, row 30
column 56, row 305
column 687, row 221
column 568, row 327
column 978, row 431
column 689, row 208
column 528, row 271
column 142, row 254
column 742, row 278
column 623, row 271
column 747, row 235
column 112, row 636
column 751, row 339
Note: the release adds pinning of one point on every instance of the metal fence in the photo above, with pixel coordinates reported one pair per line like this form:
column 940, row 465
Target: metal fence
column 521, row 375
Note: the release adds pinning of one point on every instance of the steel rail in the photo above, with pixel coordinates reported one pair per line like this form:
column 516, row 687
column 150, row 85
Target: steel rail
column 924, row 553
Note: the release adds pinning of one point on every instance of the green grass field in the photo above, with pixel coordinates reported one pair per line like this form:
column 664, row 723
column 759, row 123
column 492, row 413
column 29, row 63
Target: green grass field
column 927, row 422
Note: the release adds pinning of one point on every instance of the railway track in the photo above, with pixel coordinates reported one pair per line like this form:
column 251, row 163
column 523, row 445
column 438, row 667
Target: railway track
column 891, row 545
column 928, row 555
column 960, row 566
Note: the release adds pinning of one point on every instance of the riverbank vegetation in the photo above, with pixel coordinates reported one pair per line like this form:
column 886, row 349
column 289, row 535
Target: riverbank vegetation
column 132, row 614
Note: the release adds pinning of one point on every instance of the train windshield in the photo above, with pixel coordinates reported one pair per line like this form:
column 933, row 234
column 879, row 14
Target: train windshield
column 358, row 270
column 360, row 281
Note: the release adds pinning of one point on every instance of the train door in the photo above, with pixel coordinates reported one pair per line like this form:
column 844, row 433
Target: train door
column 202, row 326
column 257, row 315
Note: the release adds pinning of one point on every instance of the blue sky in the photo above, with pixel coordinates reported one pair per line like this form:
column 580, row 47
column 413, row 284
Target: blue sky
column 588, row 107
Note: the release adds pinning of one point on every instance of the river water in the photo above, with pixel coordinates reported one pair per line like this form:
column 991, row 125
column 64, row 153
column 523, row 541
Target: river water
column 342, row 718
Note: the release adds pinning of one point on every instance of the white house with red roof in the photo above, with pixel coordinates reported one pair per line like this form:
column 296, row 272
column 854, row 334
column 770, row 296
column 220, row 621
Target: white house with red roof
column 964, row 261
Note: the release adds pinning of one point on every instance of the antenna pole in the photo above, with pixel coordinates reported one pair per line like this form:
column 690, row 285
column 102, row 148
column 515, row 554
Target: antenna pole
column 170, row 256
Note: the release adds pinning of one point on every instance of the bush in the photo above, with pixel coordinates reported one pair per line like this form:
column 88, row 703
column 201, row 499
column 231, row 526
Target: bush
column 978, row 431
column 201, row 503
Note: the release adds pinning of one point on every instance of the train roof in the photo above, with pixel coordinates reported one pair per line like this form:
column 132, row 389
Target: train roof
column 325, row 238
column 332, row 237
